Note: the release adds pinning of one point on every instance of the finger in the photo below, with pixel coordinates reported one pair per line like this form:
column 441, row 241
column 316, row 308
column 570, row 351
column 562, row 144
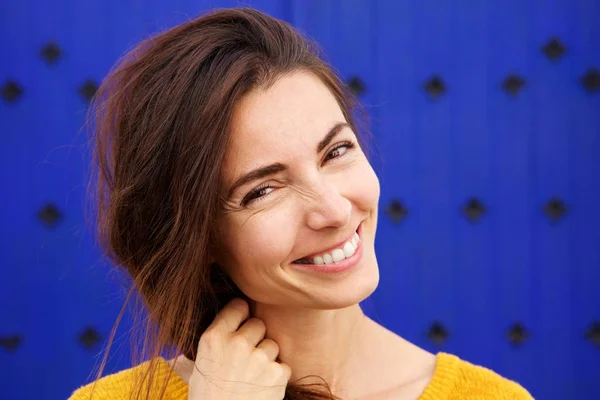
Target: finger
column 229, row 319
column 270, row 347
column 253, row 330
column 287, row 370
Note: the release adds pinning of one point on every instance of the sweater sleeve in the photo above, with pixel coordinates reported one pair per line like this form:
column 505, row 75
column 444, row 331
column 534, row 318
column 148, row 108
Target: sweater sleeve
column 458, row 379
column 100, row 392
column 118, row 386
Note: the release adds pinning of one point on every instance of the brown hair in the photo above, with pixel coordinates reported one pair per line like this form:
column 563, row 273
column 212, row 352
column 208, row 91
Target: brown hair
column 160, row 123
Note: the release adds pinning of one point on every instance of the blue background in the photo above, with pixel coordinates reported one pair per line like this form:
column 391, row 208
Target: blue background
column 512, row 289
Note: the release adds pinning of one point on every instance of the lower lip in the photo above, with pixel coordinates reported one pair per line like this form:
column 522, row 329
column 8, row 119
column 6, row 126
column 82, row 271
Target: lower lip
column 341, row 266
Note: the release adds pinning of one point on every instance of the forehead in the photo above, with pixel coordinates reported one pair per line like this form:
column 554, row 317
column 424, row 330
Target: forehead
column 272, row 125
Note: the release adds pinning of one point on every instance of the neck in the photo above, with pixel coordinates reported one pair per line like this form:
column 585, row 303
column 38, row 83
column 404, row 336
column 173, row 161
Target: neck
column 321, row 343
column 330, row 345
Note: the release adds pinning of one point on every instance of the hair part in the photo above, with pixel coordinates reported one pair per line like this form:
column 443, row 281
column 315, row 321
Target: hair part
column 161, row 123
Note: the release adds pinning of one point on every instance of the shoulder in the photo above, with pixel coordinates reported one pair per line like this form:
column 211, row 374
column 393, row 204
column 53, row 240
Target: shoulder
column 459, row 379
column 119, row 386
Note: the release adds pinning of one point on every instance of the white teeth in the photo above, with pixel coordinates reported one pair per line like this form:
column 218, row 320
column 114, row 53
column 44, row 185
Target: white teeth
column 338, row 255
column 349, row 249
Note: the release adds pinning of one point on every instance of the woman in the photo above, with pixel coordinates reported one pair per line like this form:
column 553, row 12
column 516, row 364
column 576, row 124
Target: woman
column 234, row 188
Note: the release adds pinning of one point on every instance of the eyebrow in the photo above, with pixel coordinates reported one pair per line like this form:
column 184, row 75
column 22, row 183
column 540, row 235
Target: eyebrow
column 275, row 168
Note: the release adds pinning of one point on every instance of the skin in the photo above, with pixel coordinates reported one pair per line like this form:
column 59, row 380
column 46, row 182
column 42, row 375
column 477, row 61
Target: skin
column 320, row 200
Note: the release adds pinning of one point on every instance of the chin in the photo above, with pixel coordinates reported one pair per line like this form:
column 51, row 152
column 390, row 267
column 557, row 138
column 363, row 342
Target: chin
column 350, row 291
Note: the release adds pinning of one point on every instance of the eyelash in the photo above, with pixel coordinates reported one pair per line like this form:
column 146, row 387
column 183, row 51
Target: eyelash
column 250, row 197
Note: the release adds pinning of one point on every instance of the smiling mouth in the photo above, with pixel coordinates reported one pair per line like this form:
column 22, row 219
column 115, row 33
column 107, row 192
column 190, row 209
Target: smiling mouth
column 334, row 256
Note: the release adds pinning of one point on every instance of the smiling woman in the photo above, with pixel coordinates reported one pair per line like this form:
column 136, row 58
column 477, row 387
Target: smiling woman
column 234, row 188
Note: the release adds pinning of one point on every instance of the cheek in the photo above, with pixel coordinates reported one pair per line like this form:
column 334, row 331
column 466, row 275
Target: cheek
column 260, row 243
column 256, row 252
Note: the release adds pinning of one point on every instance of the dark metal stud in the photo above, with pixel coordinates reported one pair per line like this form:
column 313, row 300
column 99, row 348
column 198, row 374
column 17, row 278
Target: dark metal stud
column 10, row 343
column 50, row 215
column 88, row 90
column 435, row 86
column 593, row 333
column 357, row 85
column 517, row 334
column 437, row 333
column 51, row 52
column 474, row 209
column 89, row 338
column 554, row 49
column 396, row 211
column 11, row 91
column 591, row 80
column 513, row 84
column 555, row 208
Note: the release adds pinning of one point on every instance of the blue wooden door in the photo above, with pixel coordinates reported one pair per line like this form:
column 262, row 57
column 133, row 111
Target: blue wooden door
column 486, row 118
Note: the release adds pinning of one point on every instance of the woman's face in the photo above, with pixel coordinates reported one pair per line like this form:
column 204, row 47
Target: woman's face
column 312, row 197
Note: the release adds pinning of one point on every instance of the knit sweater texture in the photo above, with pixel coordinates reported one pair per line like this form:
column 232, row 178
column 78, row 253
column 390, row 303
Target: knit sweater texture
column 453, row 379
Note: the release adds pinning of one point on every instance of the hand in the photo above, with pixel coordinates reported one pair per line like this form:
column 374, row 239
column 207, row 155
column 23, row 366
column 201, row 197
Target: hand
column 235, row 361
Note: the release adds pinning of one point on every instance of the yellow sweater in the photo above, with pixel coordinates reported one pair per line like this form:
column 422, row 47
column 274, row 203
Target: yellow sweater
column 453, row 379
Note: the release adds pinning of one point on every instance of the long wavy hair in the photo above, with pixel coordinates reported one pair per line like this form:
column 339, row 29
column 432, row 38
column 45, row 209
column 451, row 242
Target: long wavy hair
column 160, row 125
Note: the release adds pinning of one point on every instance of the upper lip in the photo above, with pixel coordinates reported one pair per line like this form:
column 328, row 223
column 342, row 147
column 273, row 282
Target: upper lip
column 335, row 246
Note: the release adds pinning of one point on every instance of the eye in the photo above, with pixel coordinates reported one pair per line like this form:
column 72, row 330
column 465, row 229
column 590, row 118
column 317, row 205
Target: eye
column 263, row 191
column 257, row 194
column 337, row 151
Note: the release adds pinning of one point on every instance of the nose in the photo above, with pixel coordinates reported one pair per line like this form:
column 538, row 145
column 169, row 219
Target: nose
column 328, row 209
